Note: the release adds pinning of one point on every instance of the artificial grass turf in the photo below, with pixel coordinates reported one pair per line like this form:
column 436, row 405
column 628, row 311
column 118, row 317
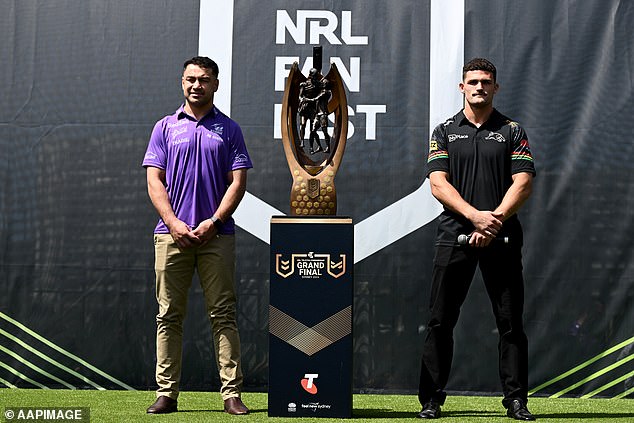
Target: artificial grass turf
column 130, row 406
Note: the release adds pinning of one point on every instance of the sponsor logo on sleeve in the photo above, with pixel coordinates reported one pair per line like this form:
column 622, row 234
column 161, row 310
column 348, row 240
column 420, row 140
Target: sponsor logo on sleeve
column 241, row 158
column 150, row 156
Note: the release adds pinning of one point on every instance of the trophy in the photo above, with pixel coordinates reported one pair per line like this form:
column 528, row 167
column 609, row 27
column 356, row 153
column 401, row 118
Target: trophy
column 307, row 104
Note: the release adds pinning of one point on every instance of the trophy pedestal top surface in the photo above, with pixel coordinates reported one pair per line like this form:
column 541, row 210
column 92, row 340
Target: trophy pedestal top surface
column 312, row 219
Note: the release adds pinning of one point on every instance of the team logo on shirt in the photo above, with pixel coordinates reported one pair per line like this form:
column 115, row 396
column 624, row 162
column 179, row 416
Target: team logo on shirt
column 217, row 128
column 495, row 136
column 433, row 145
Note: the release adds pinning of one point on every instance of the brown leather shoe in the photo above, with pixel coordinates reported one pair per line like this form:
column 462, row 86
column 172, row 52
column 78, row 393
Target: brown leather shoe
column 235, row 406
column 163, row 405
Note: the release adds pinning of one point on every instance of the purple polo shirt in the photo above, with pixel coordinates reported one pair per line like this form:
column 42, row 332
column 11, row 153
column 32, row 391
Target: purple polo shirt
column 196, row 157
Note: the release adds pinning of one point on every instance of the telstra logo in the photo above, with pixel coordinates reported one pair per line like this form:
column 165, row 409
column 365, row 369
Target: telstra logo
column 308, row 383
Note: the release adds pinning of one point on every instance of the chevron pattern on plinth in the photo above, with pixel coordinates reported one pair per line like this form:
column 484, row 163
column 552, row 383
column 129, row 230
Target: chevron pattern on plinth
column 310, row 340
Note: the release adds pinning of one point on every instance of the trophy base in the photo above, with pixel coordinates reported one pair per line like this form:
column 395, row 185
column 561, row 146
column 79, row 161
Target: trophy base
column 313, row 196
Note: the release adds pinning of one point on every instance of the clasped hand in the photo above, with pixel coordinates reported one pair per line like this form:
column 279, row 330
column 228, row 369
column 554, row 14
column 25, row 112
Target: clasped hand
column 487, row 225
column 186, row 237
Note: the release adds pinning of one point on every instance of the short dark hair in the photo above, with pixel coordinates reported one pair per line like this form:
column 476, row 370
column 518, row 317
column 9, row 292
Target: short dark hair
column 479, row 64
column 203, row 62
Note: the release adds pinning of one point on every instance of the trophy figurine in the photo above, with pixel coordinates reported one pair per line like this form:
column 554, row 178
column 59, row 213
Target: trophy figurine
column 306, row 106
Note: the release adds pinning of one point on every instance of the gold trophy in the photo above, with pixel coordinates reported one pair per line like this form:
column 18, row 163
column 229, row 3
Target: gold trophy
column 307, row 103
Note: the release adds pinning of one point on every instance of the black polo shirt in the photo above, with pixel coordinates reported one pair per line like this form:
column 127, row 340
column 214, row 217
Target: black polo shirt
column 480, row 163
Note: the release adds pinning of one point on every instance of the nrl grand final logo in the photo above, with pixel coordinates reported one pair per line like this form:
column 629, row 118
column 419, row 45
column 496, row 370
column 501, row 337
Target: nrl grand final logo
column 310, row 265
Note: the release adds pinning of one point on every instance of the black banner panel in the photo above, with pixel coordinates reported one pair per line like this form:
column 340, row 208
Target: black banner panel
column 310, row 317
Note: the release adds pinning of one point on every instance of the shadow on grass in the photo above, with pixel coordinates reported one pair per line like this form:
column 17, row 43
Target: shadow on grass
column 474, row 413
column 380, row 413
column 199, row 410
column 370, row 413
column 219, row 411
column 588, row 416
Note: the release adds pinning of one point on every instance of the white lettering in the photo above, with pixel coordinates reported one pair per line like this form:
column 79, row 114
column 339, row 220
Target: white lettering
column 321, row 23
column 277, row 124
column 180, row 141
column 346, row 30
column 282, row 68
column 309, row 272
column 285, row 23
column 178, row 131
column 351, row 78
column 175, row 124
column 310, row 264
column 350, row 125
column 371, row 111
column 308, row 27
column 49, row 414
column 328, row 30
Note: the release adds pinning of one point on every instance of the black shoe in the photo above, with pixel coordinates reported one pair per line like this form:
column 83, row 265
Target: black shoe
column 163, row 405
column 518, row 411
column 431, row 410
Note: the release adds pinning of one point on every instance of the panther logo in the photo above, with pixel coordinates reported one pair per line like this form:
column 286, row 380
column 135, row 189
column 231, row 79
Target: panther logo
column 495, row 136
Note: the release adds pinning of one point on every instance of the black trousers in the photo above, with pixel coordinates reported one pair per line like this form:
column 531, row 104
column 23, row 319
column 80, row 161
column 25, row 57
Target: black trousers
column 454, row 268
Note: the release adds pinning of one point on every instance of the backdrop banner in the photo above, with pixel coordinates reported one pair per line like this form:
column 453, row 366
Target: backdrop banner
column 84, row 84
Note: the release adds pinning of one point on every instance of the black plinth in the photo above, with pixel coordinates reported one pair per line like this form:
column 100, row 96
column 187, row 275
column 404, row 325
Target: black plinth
column 310, row 317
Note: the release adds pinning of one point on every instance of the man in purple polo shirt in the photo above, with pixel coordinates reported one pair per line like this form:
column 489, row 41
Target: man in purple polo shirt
column 196, row 164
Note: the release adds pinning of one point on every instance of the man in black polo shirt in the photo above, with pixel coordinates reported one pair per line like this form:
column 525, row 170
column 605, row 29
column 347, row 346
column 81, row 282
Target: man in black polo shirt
column 480, row 168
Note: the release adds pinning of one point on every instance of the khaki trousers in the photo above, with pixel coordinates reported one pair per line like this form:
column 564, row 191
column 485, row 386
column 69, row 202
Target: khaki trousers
column 174, row 267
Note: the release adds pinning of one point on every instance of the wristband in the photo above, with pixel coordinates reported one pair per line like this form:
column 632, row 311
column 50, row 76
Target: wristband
column 217, row 222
